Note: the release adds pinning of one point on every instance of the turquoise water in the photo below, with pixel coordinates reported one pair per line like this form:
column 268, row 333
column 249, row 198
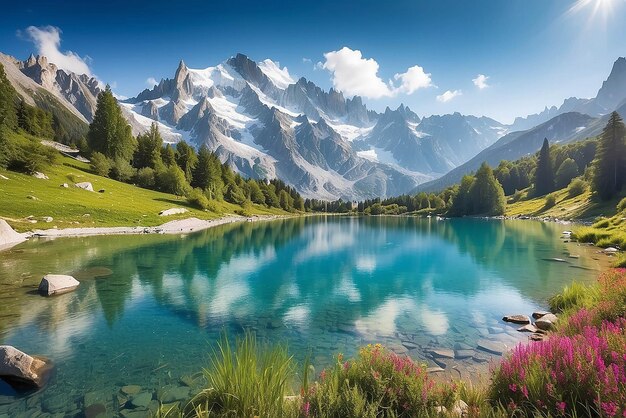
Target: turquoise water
column 149, row 308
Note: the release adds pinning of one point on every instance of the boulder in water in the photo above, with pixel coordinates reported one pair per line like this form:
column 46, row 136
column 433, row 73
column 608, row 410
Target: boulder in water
column 57, row 284
column 20, row 370
column 517, row 319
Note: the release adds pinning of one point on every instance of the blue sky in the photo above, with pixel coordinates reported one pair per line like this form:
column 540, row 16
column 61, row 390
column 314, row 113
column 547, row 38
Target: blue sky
column 534, row 52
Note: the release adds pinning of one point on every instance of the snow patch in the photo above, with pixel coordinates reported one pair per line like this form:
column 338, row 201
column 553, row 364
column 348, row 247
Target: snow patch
column 279, row 76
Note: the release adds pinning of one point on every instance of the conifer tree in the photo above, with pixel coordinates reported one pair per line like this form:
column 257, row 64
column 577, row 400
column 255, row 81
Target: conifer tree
column 109, row 133
column 149, row 147
column 610, row 162
column 202, row 171
column 544, row 174
column 168, row 155
column 186, row 159
column 8, row 116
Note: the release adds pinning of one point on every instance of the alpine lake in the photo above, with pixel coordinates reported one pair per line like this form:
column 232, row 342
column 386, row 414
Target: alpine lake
column 150, row 308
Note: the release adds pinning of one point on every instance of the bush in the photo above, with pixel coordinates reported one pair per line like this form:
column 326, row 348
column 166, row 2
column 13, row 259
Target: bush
column 550, row 201
column 172, row 180
column 251, row 381
column 26, row 155
column 100, row 164
column 197, row 199
column 577, row 187
column 145, row 178
column 121, row 170
column 621, row 206
column 378, row 383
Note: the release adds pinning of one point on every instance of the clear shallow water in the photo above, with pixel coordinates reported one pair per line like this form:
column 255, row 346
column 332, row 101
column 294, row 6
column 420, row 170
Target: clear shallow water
column 320, row 285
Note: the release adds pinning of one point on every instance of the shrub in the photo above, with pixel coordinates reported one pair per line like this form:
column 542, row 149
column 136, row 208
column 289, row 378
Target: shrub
column 550, row 201
column 172, row 180
column 576, row 187
column 567, row 374
column 250, row 381
column 197, row 199
column 378, row 383
column 145, row 178
column 621, row 206
column 100, row 164
column 121, row 170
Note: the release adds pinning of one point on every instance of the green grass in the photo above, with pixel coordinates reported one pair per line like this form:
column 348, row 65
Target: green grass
column 574, row 296
column 565, row 207
column 121, row 204
column 247, row 380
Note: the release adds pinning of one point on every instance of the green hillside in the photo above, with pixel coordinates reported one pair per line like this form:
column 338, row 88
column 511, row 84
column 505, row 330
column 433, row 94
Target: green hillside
column 121, row 204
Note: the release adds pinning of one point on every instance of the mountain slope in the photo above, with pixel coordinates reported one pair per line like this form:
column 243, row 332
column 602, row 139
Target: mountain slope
column 608, row 98
column 563, row 128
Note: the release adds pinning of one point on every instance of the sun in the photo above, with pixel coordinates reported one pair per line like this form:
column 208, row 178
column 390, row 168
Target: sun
column 602, row 9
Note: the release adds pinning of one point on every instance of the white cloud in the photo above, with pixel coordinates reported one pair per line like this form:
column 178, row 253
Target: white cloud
column 415, row 78
column 307, row 60
column 353, row 74
column 47, row 40
column 151, row 82
column 449, row 95
column 481, row 81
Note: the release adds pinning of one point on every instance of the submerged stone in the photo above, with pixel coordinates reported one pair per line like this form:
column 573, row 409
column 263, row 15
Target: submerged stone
column 517, row 319
column 57, row 284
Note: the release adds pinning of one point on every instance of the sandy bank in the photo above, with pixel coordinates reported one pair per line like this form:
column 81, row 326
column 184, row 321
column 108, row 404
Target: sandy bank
column 182, row 226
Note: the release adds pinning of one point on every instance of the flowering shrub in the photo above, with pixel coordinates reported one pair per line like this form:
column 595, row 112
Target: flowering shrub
column 579, row 370
column 378, row 383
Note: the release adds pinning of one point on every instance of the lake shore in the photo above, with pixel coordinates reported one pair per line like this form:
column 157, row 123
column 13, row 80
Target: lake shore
column 180, row 226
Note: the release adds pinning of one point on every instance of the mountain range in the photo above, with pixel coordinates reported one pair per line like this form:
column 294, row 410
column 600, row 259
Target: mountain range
column 266, row 124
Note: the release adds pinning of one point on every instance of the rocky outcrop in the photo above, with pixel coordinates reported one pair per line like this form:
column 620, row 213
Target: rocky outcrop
column 57, row 284
column 20, row 370
column 173, row 211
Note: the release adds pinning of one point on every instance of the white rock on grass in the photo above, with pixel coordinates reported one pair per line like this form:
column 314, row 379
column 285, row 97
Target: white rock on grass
column 57, row 284
column 173, row 211
column 21, row 370
column 85, row 185
column 39, row 175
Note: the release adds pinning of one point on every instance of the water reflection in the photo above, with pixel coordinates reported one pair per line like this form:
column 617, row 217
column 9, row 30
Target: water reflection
column 321, row 284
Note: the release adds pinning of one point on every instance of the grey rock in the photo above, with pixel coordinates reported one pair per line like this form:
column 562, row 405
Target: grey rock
column 85, row 185
column 21, row 370
column 141, row 400
column 546, row 322
column 492, row 347
column 57, row 284
column 539, row 314
column 528, row 328
column 517, row 319
column 463, row 354
column 442, row 353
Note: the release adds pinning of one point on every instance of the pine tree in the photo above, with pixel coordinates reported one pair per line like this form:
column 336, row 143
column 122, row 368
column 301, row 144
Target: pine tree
column 610, row 162
column 168, row 155
column 461, row 200
column 109, row 133
column 8, row 116
column 149, row 145
column 202, row 171
column 186, row 159
column 544, row 174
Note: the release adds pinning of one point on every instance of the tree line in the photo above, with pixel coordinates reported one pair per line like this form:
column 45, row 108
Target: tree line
column 180, row 170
